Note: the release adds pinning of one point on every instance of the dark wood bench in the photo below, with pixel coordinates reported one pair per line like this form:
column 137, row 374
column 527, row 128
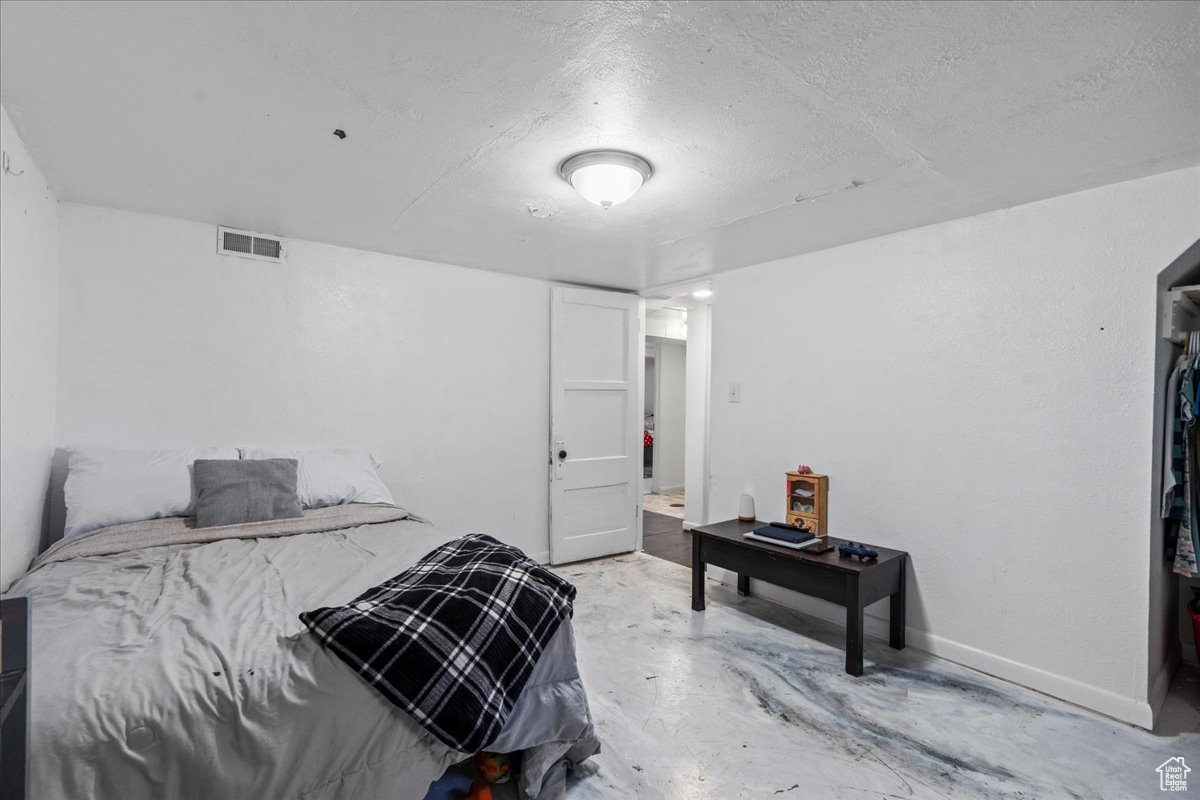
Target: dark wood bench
column 846, row 581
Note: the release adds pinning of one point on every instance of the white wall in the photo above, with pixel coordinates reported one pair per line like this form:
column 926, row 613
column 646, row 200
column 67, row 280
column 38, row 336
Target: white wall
column 441, row 371
column 980, row 393
column 696, row 455
column 666, row 323
column 28, row 351
column 670, row 409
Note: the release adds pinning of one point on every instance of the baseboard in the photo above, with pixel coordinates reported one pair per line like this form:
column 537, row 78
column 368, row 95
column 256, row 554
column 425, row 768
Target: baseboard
column 1093, row 698
column 669, row 489
column 1162, row 683
column 1103, row 701
column 687, row 526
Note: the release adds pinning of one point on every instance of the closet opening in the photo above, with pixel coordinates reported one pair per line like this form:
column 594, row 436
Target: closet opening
column 1175, row 540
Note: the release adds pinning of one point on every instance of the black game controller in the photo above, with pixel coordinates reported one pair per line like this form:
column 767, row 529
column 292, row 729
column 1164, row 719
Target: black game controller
column 855, row 549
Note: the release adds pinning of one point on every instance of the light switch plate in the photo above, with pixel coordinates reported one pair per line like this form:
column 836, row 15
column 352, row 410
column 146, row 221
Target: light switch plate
column 735, row 392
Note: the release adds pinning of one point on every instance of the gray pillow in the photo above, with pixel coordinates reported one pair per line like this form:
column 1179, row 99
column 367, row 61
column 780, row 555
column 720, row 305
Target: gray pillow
column 232, row 492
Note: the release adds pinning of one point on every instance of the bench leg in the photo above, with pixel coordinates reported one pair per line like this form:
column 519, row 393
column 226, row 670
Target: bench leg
column 743, row 585
column 899, row 604
column 854, row 629
column 697, row 574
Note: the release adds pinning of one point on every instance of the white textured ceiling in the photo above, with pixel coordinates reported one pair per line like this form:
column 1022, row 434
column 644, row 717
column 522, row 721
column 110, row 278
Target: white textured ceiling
column 775, row 128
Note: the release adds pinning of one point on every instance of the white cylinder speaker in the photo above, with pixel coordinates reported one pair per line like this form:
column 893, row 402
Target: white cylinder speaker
column 746, row 508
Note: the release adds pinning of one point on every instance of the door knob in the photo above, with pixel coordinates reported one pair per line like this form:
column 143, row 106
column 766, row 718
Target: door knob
column 562, row 455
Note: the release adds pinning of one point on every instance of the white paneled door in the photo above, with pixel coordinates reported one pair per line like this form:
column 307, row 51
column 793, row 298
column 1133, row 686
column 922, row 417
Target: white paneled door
column 595, row 431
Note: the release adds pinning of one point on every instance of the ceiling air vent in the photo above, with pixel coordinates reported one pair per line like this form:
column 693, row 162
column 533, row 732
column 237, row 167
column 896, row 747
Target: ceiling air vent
column 234, row 242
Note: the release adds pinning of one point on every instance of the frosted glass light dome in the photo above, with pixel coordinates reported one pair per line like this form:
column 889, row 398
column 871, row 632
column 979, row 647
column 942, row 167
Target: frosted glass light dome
column 606, row 177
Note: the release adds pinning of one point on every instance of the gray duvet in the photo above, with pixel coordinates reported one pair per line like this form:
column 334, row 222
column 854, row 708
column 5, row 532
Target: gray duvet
column 169, row 662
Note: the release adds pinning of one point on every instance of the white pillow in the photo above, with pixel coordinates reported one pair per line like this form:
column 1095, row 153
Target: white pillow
column 109, row 487
column 331, row 477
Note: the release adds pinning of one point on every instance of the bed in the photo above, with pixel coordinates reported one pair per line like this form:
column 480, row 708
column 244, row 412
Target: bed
column 169, row 661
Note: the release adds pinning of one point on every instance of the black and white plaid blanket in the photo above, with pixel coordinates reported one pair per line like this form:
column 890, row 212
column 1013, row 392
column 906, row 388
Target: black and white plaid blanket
column 453, row 639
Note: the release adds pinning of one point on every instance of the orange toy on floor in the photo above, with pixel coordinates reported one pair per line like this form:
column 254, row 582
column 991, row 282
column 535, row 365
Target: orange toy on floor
column 492, row 768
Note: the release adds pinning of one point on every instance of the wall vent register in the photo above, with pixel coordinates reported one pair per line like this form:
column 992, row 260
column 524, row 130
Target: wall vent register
column 246, row 244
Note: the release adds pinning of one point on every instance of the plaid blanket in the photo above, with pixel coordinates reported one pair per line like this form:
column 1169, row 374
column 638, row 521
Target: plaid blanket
column 453, row 639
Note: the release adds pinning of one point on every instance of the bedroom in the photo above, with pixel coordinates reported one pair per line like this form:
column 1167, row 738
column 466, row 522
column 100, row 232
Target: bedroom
column 939, row 237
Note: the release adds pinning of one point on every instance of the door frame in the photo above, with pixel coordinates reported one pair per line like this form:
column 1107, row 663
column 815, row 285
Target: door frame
column 698, row 433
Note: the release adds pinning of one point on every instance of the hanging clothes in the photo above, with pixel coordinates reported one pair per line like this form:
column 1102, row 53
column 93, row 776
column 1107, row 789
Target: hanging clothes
column 1187, row 539
column 1173, row 502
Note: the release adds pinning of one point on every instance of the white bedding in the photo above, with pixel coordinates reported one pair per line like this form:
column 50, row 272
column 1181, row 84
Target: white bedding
column 182, row 670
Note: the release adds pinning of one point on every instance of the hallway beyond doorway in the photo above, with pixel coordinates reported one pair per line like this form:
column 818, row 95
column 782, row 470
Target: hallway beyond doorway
column 668, row 503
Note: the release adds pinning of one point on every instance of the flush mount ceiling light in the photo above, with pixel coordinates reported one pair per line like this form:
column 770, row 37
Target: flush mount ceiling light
column 700, row 294
column 606, row 177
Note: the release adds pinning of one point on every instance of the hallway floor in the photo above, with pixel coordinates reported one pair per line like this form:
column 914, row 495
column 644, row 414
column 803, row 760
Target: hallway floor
column 669, row 503
column 664, row 537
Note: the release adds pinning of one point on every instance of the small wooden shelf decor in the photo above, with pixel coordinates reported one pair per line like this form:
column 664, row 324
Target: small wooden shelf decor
column 808, row 502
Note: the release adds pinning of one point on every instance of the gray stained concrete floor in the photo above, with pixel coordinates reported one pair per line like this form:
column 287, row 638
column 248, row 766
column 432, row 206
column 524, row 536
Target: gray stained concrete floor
column 748, row 700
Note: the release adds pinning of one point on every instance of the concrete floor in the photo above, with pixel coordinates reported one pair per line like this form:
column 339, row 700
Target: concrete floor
column 748, row 700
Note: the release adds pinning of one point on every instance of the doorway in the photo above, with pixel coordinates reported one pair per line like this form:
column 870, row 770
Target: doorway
column 675, row 420
column 663, row 428
column 595, row 472
column 605, row 462
column 1172, row 632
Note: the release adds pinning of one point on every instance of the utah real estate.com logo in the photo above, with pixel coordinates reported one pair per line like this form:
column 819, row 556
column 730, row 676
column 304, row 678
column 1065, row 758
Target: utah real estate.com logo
column 1172, row 775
